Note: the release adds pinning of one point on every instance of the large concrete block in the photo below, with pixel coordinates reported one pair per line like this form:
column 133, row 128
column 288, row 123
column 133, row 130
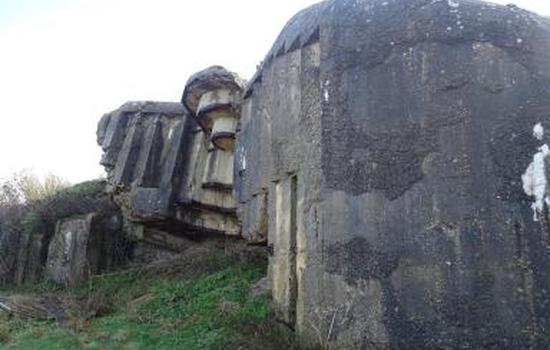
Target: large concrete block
column 83, row 246
column 9, row 242
column 165, row 173
column 20, row 256
column 30, row 258
column 417, row 131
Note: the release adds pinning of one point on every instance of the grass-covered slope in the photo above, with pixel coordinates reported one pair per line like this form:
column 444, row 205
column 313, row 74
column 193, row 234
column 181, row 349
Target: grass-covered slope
column 199, row 301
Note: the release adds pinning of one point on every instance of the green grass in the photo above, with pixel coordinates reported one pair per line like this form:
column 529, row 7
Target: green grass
column 206, row 306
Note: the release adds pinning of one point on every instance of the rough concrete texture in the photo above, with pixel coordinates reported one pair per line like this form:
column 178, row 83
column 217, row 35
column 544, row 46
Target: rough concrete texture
column 401, row 149
column 9, row 242
column 209, row 79
column 20, row 256
column 84, row 246
column 30, row 258
column 165, row 174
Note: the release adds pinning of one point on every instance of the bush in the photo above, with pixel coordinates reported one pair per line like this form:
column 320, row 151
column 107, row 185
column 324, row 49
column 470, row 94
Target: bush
column 24, row 190
column 79, row 199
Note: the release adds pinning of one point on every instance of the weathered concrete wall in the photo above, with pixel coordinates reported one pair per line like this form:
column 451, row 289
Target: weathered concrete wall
column 26, row 234
column 414, row 132
column 21, row 254
column 278, row 166
column 165, row 174
column 84, row 246
column 29, row 266
column 9, row 241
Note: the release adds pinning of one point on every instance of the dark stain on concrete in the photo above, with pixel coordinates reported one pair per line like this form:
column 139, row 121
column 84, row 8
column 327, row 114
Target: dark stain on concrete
column 465, row 319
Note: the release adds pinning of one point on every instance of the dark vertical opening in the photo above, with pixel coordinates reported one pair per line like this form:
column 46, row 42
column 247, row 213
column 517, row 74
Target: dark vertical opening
column 293, row 278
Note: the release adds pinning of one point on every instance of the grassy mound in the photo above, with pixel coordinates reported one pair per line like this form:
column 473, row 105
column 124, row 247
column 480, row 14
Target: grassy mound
column 201, row 301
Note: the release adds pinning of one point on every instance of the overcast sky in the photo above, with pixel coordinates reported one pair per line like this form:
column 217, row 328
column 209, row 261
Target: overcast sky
column 63, row 63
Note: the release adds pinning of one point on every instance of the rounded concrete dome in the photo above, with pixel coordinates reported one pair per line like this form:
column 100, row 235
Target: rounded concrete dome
column 414, row 134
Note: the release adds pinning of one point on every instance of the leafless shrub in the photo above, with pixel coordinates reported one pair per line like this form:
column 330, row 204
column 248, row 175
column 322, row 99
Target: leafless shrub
column 24, row 191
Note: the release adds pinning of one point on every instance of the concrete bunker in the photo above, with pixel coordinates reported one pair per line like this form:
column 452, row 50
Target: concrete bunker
column 386, row 154
column 408, row 126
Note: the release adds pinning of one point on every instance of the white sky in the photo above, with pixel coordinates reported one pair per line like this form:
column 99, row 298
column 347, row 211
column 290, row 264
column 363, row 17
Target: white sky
column 63, row 63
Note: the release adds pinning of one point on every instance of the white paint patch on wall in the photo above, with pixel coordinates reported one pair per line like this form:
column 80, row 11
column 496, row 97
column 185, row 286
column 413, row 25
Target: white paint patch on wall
column 326, row 93
column 170, row 133
column 243, row 158
column 538, row 131
column 453, row 4
column 534, row 179
column 67, row 244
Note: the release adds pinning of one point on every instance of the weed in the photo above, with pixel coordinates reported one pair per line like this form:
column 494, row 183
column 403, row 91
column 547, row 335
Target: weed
column 205, row 304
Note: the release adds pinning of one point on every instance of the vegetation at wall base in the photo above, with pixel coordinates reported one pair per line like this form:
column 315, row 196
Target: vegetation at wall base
column 205, row 304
